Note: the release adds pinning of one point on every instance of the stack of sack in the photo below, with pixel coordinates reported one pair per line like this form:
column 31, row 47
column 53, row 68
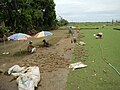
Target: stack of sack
column 28, row 78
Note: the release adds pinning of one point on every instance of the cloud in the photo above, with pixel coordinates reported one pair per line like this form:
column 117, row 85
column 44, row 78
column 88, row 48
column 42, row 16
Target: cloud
column 71, row 9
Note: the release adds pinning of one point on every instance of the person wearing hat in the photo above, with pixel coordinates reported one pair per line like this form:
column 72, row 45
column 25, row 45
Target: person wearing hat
column 74, row 39
column 31, row 48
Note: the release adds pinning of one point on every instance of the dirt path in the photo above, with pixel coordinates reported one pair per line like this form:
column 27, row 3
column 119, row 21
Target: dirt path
column 53, row 63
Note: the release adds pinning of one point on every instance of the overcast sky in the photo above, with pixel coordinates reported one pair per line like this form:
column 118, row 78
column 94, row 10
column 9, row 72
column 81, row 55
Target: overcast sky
column 88, row 10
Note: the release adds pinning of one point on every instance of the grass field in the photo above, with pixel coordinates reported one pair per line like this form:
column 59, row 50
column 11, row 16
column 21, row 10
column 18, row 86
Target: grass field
column 98, row 75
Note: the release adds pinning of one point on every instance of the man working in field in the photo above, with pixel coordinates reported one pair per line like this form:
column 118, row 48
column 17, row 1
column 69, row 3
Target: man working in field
column 31, row 48
column 45, row 43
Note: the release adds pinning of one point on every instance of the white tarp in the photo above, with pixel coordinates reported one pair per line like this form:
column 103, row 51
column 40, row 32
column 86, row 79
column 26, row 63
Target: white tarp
column 28, row 78
column 77, row 65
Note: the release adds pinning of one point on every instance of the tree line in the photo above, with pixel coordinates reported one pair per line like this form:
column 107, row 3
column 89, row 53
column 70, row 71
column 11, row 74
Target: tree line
column 27, row 15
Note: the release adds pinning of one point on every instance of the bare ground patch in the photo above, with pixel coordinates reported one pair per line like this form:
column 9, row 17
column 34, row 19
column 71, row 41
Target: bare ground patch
column 52, row 61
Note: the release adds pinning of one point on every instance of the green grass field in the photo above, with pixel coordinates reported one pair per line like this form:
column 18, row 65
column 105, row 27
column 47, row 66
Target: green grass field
column 98, row 75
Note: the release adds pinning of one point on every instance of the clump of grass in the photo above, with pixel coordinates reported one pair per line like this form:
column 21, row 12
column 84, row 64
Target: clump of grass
column 21, row 53
column 116, row 29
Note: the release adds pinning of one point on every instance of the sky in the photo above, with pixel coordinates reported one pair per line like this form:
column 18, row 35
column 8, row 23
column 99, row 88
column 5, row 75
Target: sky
column 88, row 10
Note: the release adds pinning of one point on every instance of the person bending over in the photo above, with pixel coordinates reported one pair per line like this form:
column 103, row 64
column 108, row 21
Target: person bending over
column 31, row 48
column 45, row 43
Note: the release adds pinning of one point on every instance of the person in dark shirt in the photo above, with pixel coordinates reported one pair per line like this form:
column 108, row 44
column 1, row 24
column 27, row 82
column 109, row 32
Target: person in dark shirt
column 45, row 43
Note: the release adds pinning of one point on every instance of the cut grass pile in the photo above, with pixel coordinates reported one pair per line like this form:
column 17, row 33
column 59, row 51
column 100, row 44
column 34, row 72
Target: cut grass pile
column 98, row 75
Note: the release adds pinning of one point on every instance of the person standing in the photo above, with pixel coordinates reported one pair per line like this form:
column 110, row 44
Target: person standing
column 74, row 39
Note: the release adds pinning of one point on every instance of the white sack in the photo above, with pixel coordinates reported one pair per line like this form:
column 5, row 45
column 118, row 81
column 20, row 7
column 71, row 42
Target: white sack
column 34, row 74
column 30, row 79
column 15, row 69
column 33, row 50
column 82, row 43
column 25, row 83
column 77, row 65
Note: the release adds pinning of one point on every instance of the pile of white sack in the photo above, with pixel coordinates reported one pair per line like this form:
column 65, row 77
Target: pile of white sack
column 28, row 78
column 98, row 35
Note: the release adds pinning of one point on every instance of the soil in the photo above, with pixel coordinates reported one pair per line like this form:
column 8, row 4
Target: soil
column 53, row 62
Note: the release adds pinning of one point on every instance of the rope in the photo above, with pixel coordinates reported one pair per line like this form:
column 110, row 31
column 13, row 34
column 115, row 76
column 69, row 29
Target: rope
column 104, row 59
